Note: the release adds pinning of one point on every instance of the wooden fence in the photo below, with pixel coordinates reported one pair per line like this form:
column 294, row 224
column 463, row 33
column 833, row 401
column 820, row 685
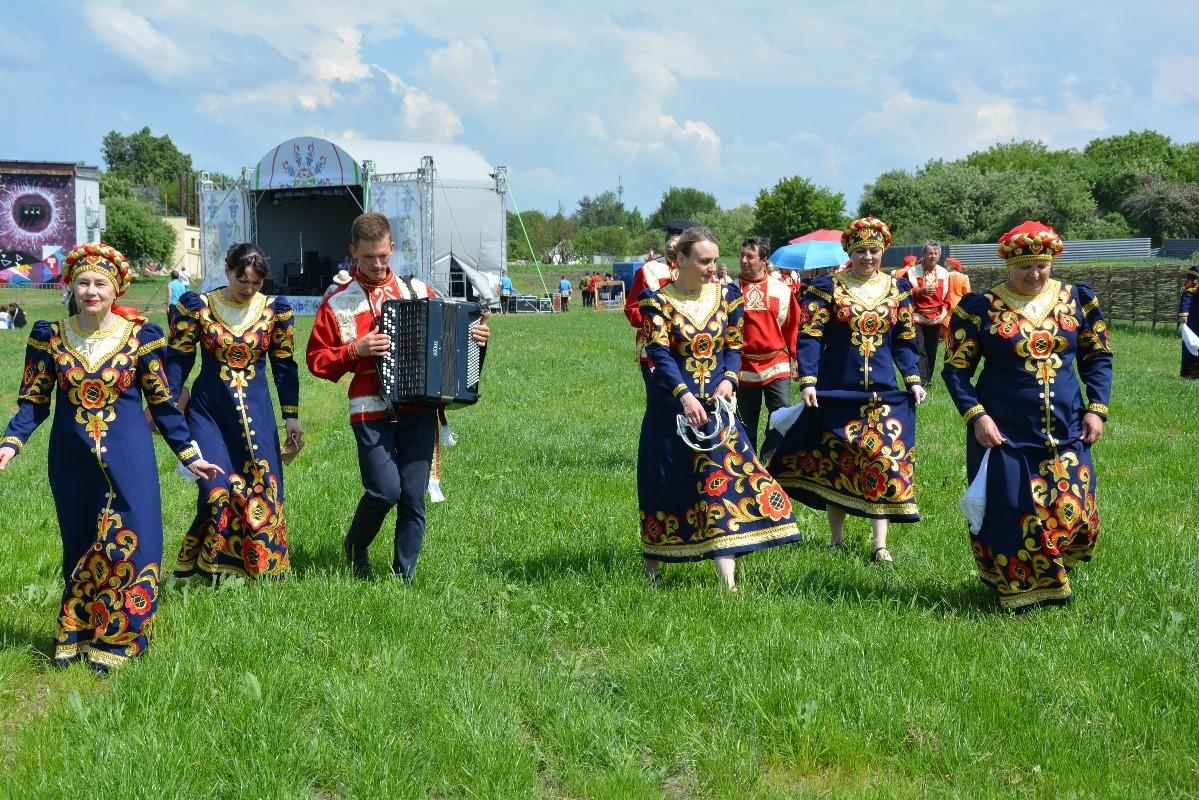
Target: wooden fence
column 1126, row 293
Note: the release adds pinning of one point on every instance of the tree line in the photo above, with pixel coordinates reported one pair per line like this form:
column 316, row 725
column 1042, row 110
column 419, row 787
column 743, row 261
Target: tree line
column 1135, row 184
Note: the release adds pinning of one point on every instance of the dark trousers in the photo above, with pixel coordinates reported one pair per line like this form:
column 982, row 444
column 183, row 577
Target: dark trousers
column 394, row 458
column 566, row 302
column 749, row 404
column 507, row 304
column 927, row 339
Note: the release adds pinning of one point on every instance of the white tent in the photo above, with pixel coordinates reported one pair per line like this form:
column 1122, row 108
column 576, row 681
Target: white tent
column 445, row 203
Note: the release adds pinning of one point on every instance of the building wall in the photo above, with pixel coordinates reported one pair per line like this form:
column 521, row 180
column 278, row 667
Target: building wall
column 187, row 245
column 38, row 217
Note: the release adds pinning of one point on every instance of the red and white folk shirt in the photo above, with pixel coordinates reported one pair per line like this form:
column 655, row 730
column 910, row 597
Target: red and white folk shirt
column 771, row 325
column 929, row 309
column 652, row 275
column 342, row 318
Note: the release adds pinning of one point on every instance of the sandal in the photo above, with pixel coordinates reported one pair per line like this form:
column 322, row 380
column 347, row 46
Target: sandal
column 881, row 554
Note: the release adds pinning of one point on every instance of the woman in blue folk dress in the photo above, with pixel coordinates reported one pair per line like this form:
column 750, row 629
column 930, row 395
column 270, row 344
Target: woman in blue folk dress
column 853, row 450
column 1030, row 333
column 99, row 365
column 1188, row 318
column 695, row 504
column 239, row 527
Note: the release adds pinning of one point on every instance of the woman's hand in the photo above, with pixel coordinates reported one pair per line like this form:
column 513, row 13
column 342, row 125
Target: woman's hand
column 295, row 433
column 725, row 389
column 1092, row 427
column 809, row 396
column 202, row 469
column 986, row 433
column 7, row 454
column 693, row 410
column 918, row 393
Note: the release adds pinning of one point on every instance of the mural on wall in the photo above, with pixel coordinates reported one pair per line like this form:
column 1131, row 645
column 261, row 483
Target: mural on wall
column 37, row 225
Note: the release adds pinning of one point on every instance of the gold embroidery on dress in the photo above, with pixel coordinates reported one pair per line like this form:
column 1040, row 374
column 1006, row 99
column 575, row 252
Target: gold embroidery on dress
column 697, row 308
column 1033, row 308
column 867, row 291
column 237, row 317
column 94, row 349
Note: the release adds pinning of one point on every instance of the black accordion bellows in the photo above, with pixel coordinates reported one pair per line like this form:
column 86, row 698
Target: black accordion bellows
column 433, row 359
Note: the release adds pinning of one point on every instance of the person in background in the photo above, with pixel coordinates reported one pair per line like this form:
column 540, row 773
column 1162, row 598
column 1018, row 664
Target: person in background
column 507, row 293
column 99, row 367
column 5, row 319
column 722, row 275
column 652, row 275
column 771, row 324
column 959, row 287
column 853, row 449
column 1026, row 408
column 184, row 275
column 717, row 503
column 593, row 286
column 930, row 305
column 17, row 316
column 564, row 287
column 176, row 286
column 340, row 279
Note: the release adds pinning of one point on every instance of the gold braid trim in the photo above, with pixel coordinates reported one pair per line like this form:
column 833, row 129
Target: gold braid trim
column 1091, row 306
column 678, row 390
column 150, row 347
column 38, row 344
column 972, row 413
column 966, row 315
column 821, row 294
column 807, row 380
column 1098, row 408
column 289, row 410
column 16, row 443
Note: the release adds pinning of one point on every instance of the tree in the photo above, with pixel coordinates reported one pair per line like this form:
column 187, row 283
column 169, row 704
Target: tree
column 605, row 209
column 1115, row 164
column 537, row 226
column 1164, row 210
column 731, row 227
column 139, row 233
column 148, row 161
column 681, row 202
column 796, row 205
column 1024, row 156
column 608, row 240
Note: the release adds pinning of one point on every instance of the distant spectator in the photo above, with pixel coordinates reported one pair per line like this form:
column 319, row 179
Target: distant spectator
column 5, row 319
column 175, row 289
column 184, row 276
column 507, row 294
column 342, row 277
column 593, row 286
column 722, row 274
column 17, row 316
column 564, row 288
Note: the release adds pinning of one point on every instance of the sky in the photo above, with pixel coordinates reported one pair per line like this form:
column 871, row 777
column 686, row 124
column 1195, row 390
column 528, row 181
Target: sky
column 576, row 97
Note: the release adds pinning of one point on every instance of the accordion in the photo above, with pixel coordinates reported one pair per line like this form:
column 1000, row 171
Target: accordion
column 433, row 360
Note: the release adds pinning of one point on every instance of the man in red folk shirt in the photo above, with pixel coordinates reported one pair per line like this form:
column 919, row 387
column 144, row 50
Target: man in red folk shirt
column 395, row 444
column 771, row 325
column 653, row 275
column 930, row 298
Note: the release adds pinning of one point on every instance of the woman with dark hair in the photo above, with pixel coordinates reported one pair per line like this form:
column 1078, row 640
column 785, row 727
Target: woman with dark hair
column 1026, row 409
column 239, row 527
column 701, row 490
column 853, row 450
column 100, row 365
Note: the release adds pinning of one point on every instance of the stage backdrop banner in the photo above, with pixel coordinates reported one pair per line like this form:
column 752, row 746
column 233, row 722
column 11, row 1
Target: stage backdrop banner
column 403, row 203
column 225, row 215
column 304, row 306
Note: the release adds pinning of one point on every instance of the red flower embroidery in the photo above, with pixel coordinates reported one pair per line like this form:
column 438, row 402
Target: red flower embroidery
column 869, row 323
column 715, row 484
column 651, row 530
column 255, row 556
column 92, row 394
column 874, row 482
column 138, row 600
column 1040, row 344
column 237, row 355
column 702, row 345
column 774, row 502
column 1007, row 326
column 1018, row 571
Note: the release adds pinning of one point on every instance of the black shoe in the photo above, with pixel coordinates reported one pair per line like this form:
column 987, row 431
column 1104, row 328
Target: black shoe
column 360, row 565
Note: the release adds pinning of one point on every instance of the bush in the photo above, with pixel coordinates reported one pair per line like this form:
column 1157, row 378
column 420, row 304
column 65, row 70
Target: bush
column 139, row 233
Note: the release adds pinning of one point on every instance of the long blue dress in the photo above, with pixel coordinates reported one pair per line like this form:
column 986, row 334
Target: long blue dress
column 103, row 476
column 1188, row 315
column 239, row 527
column 696, row 505
column 1041, row 516
column 857, row 449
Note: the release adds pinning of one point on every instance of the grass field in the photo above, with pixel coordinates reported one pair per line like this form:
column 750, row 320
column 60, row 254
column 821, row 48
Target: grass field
column 529, row 658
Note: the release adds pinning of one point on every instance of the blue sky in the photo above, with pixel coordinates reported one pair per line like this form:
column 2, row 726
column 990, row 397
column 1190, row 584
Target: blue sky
column 570, row 96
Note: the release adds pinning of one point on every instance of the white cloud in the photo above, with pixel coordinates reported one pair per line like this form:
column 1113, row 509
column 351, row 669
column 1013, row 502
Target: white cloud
column 135, row 40
column 1176, row 80
column 464, row 72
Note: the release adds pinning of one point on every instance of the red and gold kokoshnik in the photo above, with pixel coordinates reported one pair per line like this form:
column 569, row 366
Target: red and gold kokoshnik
column 865, row 232
column 99, row 257
column 1030, row 241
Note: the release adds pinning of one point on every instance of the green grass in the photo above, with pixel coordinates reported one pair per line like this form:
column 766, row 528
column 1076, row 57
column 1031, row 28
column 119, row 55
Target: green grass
column 529, row 658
